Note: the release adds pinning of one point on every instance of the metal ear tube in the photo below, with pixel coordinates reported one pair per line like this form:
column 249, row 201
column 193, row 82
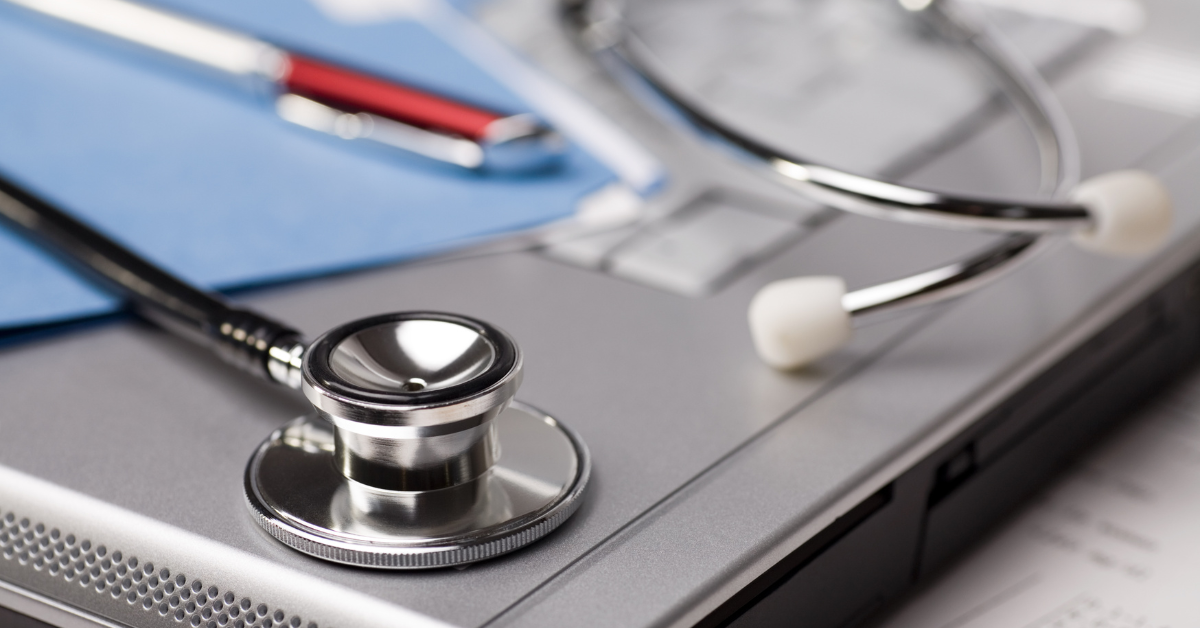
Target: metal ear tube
column 795, row 321
column 417, row 455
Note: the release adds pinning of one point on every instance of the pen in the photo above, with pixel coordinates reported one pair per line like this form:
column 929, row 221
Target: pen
column 326, row 96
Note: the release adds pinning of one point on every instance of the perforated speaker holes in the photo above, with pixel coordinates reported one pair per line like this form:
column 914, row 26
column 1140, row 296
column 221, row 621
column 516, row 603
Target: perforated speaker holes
column 127, row 580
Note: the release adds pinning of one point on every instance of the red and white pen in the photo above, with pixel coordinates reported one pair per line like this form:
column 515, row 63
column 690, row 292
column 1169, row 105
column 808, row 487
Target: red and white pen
column 327, row 97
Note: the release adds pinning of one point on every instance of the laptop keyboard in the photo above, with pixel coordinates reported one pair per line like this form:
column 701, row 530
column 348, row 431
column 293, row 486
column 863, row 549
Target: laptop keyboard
column 702, row 245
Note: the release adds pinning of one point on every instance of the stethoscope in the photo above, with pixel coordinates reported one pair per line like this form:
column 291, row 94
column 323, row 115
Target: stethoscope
column 417, row 455
column 796, row 321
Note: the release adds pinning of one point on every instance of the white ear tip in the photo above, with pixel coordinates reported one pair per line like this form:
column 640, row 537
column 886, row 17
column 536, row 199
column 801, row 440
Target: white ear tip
column 796, row 321
column 1132, row 211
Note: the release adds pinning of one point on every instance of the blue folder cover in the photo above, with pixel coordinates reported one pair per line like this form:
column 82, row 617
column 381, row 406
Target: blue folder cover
column 198, row 174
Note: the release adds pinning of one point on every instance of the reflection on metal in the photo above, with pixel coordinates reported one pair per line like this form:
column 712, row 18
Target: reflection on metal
column 948, row 281
column 412, row 355
column 534, row 487
column 412, row 397
column 364, row 126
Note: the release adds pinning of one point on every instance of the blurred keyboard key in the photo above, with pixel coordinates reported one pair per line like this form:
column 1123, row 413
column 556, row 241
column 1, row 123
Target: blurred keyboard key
column 696, row 251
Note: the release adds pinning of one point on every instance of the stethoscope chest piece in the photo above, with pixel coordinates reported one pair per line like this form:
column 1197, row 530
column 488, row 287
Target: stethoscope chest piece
column 417, row 456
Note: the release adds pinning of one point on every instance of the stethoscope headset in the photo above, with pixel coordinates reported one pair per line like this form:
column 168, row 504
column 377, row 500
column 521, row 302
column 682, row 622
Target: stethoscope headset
column 796, row 321
column 417, row 456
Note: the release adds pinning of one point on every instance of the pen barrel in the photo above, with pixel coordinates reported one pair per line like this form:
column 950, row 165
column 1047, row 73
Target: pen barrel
column 244, row 338
column 356, row 92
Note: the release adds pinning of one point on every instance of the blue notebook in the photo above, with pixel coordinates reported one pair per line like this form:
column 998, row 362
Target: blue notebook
column 199, row 175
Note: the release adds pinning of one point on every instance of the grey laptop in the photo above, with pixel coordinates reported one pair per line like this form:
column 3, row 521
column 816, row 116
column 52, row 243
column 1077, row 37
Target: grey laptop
column 723, row 492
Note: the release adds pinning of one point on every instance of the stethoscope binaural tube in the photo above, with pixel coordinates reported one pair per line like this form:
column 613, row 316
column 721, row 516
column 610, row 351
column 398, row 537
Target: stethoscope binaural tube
column 246, row 339
column 401, row 467
column 796, row 321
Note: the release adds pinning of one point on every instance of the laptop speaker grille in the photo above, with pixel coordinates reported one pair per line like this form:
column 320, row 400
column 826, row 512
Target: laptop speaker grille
column 122, row 579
